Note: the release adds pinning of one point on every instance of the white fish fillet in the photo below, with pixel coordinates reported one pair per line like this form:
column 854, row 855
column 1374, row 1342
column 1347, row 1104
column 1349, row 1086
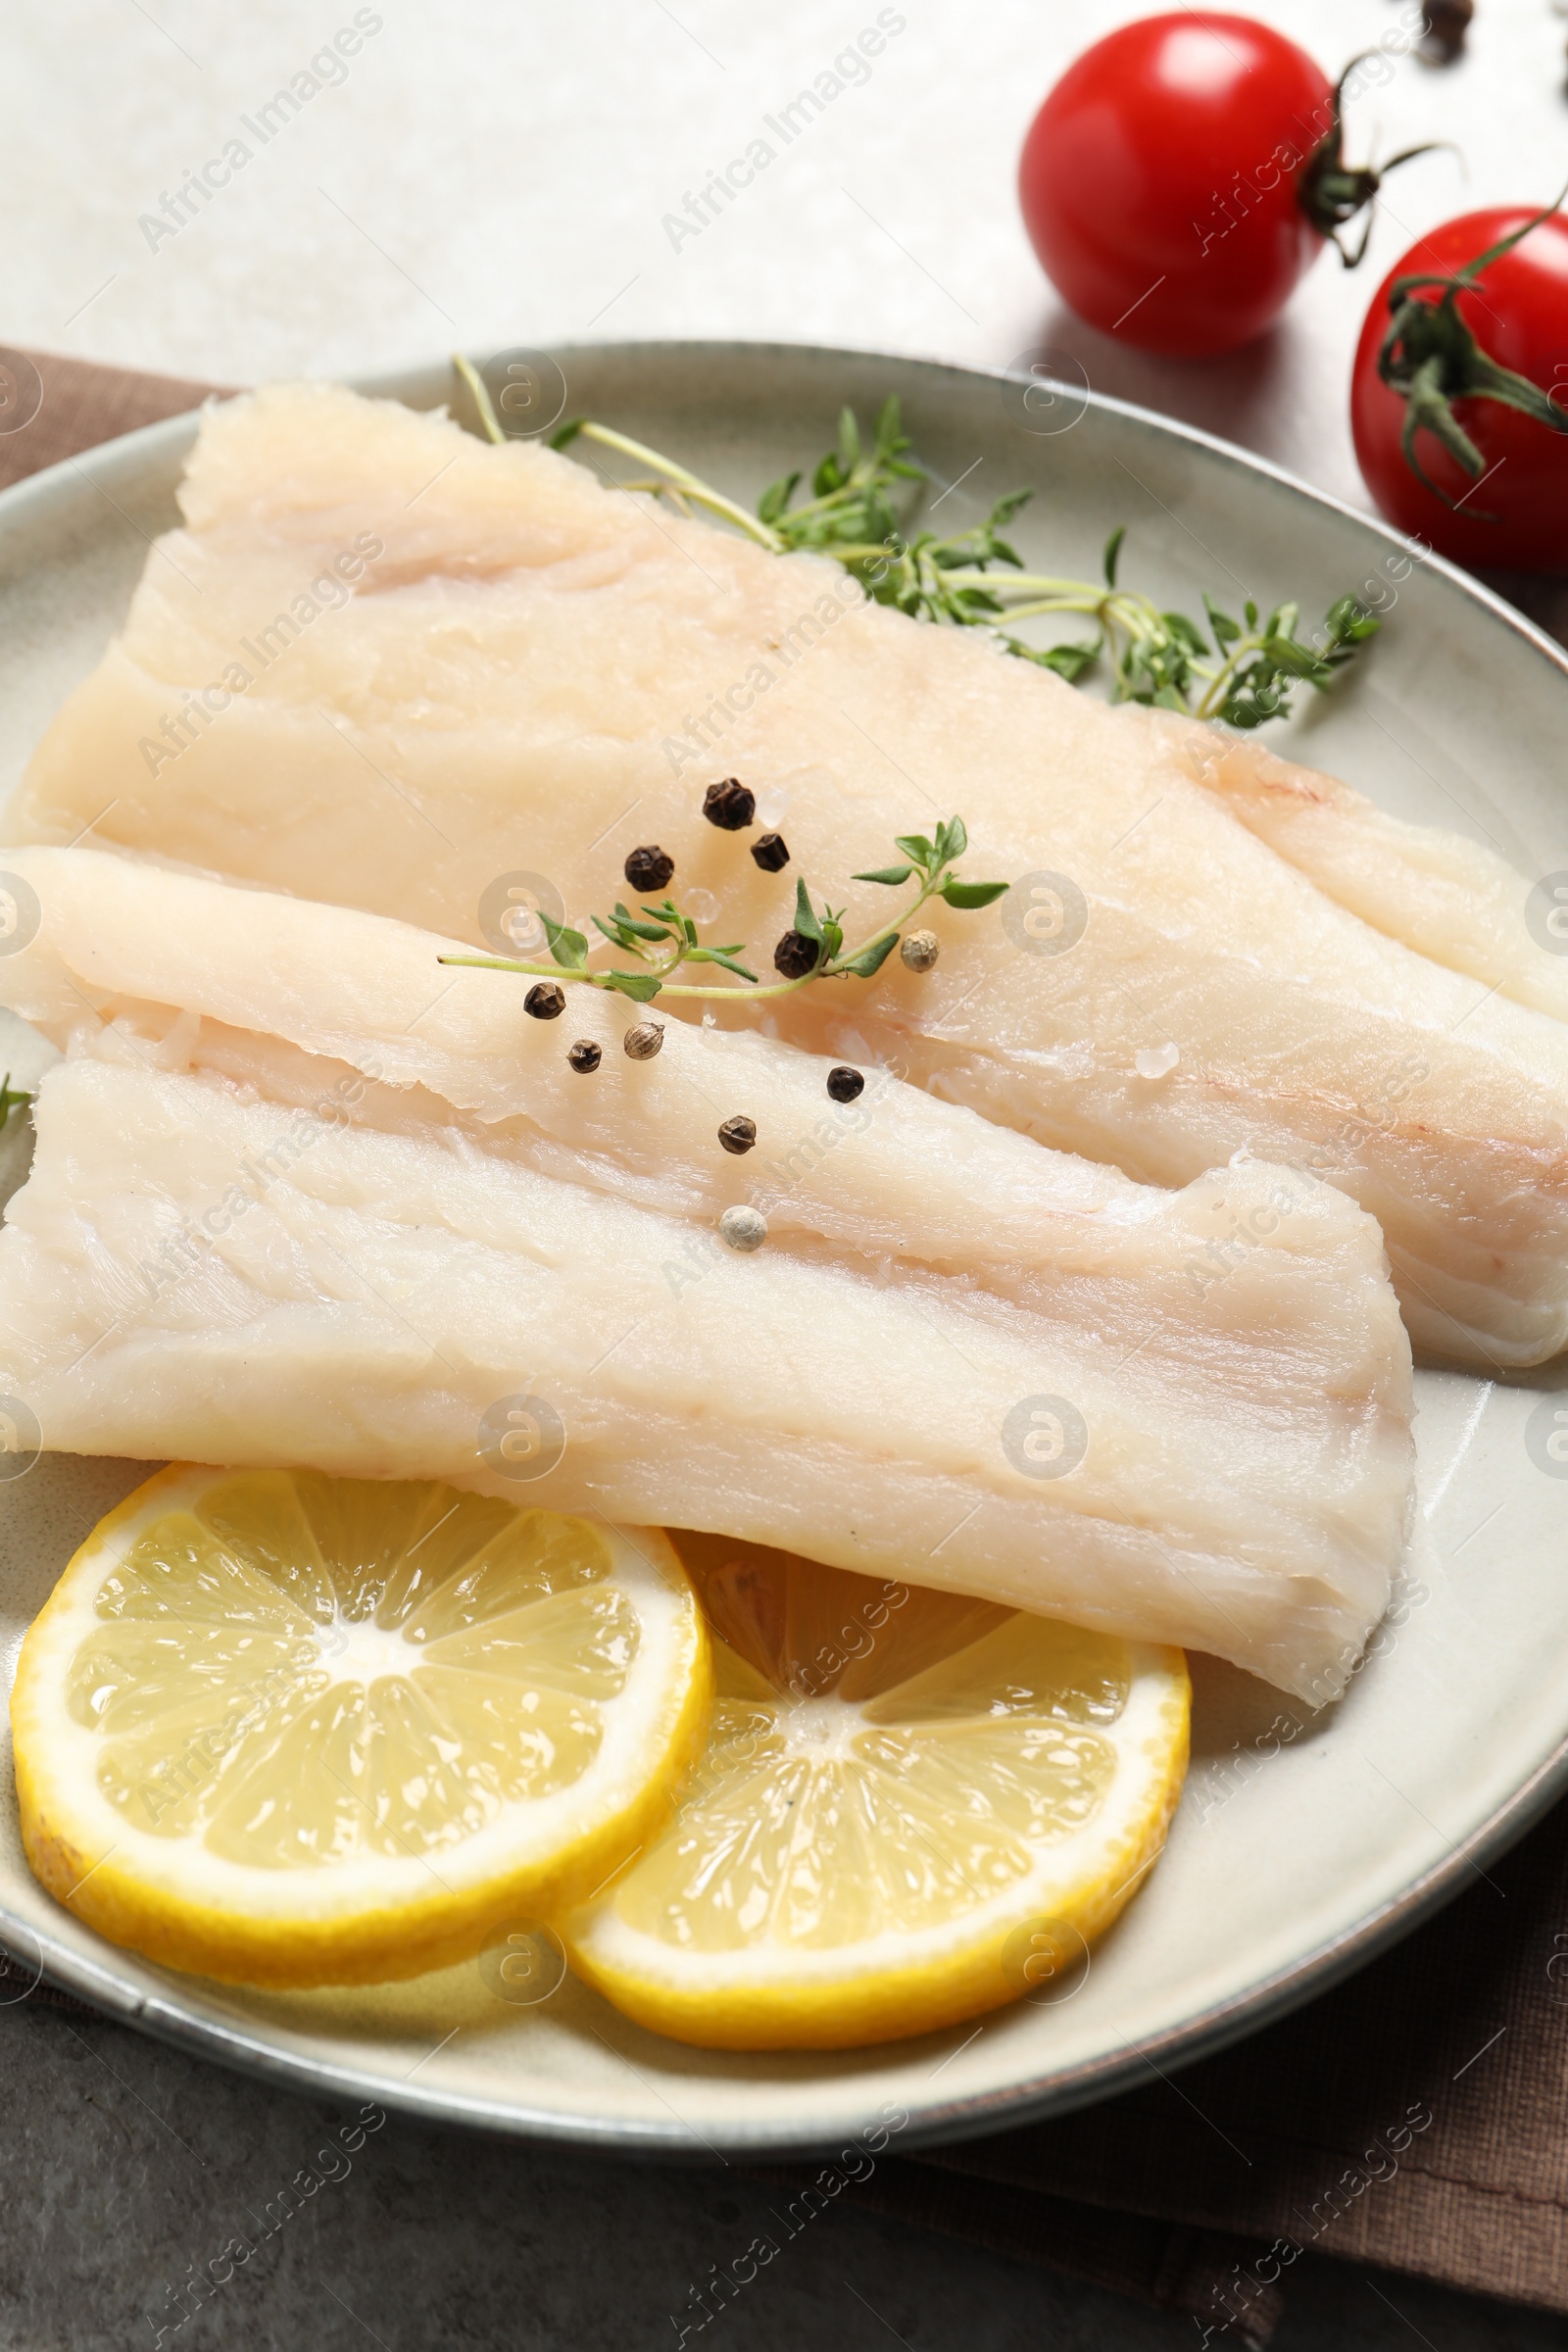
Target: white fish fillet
column 182, row 972
column 532, row 675
column 1450, row 898
column 203, row 1271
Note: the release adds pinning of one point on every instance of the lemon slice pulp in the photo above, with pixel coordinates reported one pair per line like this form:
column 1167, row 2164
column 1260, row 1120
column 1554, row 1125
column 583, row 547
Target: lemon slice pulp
column 911, row 1808
column 291, row 1729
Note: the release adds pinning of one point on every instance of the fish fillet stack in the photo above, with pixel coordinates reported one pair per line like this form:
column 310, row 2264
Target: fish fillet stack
column 529, row 674
column 389, row 668
column 301, row 1197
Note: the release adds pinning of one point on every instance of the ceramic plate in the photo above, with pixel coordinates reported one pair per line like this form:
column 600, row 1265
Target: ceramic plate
column 1301, row 1847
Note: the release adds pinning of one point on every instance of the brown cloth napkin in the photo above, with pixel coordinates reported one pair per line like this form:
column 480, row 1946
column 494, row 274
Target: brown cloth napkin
column 52, row 408
column 1416, row 2118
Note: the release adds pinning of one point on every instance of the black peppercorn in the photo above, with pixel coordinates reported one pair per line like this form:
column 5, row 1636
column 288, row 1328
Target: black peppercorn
column 772, row 852
column 796, row 954
column 545, row 1001
column 585, row 1055
column 738, row 1135
column 845, row 1084
column 730, row 806
column 649, row 868
column 1447, row 24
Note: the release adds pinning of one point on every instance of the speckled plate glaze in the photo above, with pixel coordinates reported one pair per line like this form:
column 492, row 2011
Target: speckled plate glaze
column 1300, row 1848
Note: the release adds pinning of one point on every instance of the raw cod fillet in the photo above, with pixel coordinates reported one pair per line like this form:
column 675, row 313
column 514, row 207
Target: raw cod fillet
column 1449, row 897
column 301, row 1197
column 449, row 665
column 293, row 996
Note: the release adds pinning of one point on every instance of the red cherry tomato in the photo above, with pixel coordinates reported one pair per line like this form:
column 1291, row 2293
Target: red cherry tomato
column 1160, row 180
column 1514, row 509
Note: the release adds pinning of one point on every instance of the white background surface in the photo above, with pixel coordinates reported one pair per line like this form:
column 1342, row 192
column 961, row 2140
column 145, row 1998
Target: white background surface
column 496, row 171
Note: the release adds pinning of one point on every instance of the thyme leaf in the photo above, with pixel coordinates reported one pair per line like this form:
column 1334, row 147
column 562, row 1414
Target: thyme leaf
column 569, row 947
column 805, row 919
column 870, row 960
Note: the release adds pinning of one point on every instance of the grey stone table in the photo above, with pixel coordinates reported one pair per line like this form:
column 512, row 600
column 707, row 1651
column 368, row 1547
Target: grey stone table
column 483, row 175
column 126, row 2165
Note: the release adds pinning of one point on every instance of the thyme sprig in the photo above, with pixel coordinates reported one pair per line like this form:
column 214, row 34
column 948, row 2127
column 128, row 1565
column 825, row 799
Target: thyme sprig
column 1242, row 672
column 1156, row 657
column 667, row 941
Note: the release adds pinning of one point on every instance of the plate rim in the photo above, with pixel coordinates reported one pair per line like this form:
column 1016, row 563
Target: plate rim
column 383, row 384
column 1261, row 2004
column 1264, row 2001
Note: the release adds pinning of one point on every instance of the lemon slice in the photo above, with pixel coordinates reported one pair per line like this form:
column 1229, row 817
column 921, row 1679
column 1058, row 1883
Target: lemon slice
column 285, row 1728
column 911, row 1808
